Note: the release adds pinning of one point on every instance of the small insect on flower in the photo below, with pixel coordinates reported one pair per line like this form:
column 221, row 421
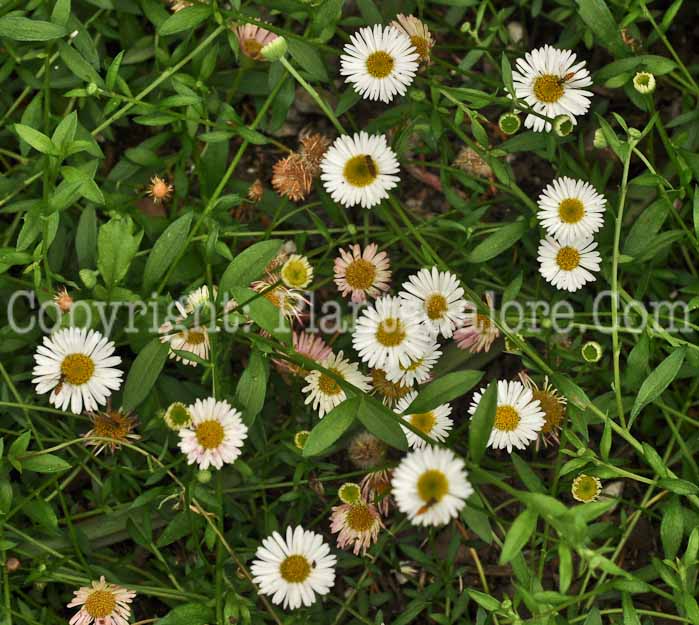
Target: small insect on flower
column 568, row 267
column 102, row 604
column 361, row 274
column 177, row 416
column 431, row 486
column 379, row 62
column 586, row 488
column 294, row 569
column 357, row 525
column 478, row 331
column 297, row 272
column 418, row 33
column 113, row 425
column 159, row 190
column 252, row 38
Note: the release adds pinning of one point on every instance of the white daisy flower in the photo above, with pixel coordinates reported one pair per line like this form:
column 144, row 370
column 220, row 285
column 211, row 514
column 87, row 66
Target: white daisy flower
column 552, row 83
column 326, row 393
column 359, row 169
column 568, row 267
column 435, row 423
column 518, row 416
column 571, row 209
column 430, row 485
column 215, row 436
column 78, row 367
column 387, row 336
column 437, row 299
column 102, row 603
column 418, row 371
column 294, row 570
column 379, row 62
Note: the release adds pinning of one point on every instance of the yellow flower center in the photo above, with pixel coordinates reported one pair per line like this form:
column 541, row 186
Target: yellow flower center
column 390, row 332
column 361, row 170
column 295, row 273
column 194, row 336
column 295, row 569
column 506, row 418
column 586, row 488
column 432, row 486
column 548, row 88
column 77, row 369
column 568, row 258
column 571, row 210
column 359, row 518
column 554, row 409
column 360, row 274
column 390, row 390
column 423, row 421
column 100, row 604
column 327, row 385
column 210, row 434
column 422, row 46
column 251, row 48
column 379, row 64
column 436, row 305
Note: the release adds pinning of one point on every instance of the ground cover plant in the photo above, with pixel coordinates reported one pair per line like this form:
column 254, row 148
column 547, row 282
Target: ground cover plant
column 346, row 311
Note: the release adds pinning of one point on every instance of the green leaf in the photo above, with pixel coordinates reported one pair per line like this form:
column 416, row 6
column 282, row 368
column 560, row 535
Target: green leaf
column 166, row 249
column 38, row 140
column 444, row 389
column 61, row 12
column 45, row 463
column 65, row 131
column 504, row 238
column 679, row 487
column 630, row 614
column 518, row 535
column 659, row 379
column 529, row 478
column 695, row 210
column 144, row 372
column 263, row 312
column 77, row 65
column 86, row 238
column 308, row 60
column 113, row 71
column 672, row 528
column 252, row 387
column 599, row 19
column 332, row 426
column 657, row 65
column 186, row 19
column 248, row 265
column 178, row 528
column 482, row 422
column 565, row 567
column 23, row 29
column 41, row 513
column 116, row 247
column 382, row 423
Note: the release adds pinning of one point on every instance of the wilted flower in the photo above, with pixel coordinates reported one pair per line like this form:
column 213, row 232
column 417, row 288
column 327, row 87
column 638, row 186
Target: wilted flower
column 159, row 190
column 63, row 300
column 357, row 524
column 366, row 451
column 252, row 39
column 417, row 32
column 376, row 489
column 114, row 425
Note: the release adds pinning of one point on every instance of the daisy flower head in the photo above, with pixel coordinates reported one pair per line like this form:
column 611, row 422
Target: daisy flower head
column 436, row 299
column 431, row 486
column 478, row 331
column 115, row 426
column 568, row 267
column 308, row 345
column 293, row 570
column 553, row 405
column 434, row 423
column 252, row 38
column 586, row 488
column 324, row 392
column 361, row 274
column 418, row 33
column 518, row 416
column 379, row 62
column 102, row 604
column 552, row 83
column 215, row 436
column 360, row 169
column 78, row 367
column 418, row 371
column 571, row 209
column 387, row 335
column 356, row 524
column 297, row 273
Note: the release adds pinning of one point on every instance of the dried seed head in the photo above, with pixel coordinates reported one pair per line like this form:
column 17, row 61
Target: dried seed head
column 292, row 177
column 313, row 148
column 256, row 191
column 63, row 300
column 366, row 451
column 472, row 163
column 159, row 190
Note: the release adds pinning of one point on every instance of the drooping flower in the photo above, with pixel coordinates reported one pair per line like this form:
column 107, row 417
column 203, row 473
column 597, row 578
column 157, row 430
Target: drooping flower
column 360, row 169
column 113, row 425
column 78, row 367
column 376, row 489
column 518, row 416
column 357, row 525
column 568, row 267
column 431, row 486
column 478, row 331
column 102, row 604
column 308, row 345
column 324, row 392
column 418, row 33
column 571, row 210
column 252, row 38
column 293, row 570
column 379, row 62
column 434, row 423
column 362, row 274
column 215, row 436
column 552, row 83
